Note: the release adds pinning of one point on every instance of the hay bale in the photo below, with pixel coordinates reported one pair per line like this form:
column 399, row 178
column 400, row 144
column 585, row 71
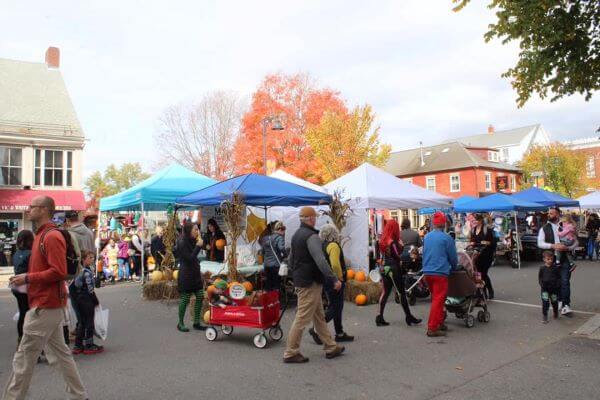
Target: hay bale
column 156, row 290
column 371, row 289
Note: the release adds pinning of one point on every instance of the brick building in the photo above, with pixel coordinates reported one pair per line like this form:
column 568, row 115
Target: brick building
column 591, row 148
column 455, row 170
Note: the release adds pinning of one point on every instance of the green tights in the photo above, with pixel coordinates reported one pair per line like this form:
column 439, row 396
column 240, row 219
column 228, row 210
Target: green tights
column 184, row 300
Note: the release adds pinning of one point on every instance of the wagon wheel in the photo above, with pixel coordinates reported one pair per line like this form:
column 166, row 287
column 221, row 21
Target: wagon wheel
column 260, row 340
column 227, row 329
column 275, row 333
column 211, row 333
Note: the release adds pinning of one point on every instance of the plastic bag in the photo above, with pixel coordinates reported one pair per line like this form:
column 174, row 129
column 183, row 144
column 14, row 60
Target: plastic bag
column 101, row 322
column 16, row 317
column 71, row 317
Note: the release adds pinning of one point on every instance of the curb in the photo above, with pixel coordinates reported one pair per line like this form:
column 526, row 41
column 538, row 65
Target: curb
column 590, row 329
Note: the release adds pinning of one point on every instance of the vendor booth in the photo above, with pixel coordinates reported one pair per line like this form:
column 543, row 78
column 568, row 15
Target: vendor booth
column 156, row 193
column 545, row 198
column 590, row 201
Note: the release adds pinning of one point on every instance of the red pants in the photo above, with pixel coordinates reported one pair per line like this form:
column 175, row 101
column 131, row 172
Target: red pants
column 438, row 286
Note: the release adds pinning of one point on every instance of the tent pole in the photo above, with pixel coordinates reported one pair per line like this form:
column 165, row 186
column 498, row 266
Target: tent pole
column 142, row 240
column 517, row 244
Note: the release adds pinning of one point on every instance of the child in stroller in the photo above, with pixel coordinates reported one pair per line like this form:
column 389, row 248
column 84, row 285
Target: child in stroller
column 465, row 292
column 415, row 285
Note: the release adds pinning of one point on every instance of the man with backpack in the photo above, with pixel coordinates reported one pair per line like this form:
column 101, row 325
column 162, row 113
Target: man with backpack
column 49, row 265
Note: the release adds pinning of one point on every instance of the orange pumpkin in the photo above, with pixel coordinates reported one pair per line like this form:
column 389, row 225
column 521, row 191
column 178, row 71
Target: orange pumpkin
column 248, row 286
column 232, row 283
column 210, row 290
column 360, row 276
column 360, row 300
column 350, row 274
column 220, row 244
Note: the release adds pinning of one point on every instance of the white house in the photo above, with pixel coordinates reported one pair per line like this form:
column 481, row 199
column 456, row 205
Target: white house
column 512, row 144
column 41, row 141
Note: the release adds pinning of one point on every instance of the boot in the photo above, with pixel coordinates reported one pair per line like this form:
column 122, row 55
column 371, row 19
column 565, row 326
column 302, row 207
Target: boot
column 410, row 319
column 379, row 321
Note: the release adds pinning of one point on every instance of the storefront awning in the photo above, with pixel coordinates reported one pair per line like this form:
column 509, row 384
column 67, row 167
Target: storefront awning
column 20, row 199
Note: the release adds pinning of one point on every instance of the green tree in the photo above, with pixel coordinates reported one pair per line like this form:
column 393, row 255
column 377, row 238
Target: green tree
column 344, row 141
column 563, row 170
column 559, row 45
column 114, row 179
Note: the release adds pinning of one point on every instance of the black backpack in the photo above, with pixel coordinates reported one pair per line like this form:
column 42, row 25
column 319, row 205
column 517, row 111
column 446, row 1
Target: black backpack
column 71, row 254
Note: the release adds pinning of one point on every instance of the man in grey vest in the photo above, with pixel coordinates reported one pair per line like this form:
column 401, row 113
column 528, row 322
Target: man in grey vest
column 548, row 239
column 310, row 270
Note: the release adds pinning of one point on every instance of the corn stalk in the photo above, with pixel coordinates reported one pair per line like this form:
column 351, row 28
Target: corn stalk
column 169, row 237
column 233, row 211
column 338, row 212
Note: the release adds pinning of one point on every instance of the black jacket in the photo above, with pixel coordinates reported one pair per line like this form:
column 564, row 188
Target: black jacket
column 189, row 279
column 549, row 277
column 307, row 261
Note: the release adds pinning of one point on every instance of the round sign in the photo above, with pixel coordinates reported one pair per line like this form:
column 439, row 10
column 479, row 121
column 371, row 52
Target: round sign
column 237, row 292
column 375, row 276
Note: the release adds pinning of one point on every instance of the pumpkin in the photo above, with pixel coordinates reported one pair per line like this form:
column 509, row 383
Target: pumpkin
column 350, row 274
column 207, row 316
column 156, row 276
column 248, row 286
column 175, row 274
column 211, row 290
column 220, row 244
column 360, row 276
column 232, row 283
column 360, row 300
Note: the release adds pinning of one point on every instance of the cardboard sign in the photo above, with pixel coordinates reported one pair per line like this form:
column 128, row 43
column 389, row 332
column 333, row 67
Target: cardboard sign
column 237, row 292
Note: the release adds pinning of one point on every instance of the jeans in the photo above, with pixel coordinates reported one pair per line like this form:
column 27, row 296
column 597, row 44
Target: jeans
column 123, row 268
column 84, row 307
column 335, row 307
column 272, row 278
column 565, row 283
column 549, row 296
column 592, row 247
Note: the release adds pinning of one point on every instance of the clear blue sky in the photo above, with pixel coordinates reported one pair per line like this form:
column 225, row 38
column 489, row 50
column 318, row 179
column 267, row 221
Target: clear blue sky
column 426, row 70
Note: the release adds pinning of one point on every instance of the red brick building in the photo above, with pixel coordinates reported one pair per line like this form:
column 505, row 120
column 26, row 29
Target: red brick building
column 455, row 170
column 591, row 148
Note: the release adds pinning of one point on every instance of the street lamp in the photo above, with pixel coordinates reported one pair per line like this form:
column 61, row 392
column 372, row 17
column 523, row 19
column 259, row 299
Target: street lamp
column 276, row 125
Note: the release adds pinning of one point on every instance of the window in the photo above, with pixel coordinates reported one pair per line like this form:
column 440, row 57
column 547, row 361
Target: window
column 11, row 166
column 415, row 219
column 513, row 183
column 492, row 156
column 455, row 182
column 409, row 180
column 430, row 183
column 488, row 181
column 51, row 168
column 505, row 155
column 590, row 167
column 394, row 215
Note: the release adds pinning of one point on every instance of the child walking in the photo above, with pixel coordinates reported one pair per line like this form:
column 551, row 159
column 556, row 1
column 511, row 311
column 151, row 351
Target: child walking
column 549, row 279
column 84, row 300
column 567, row 233
column 123, row 259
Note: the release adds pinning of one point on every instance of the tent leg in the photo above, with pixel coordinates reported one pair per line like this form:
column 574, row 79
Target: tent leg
column 517, row 244
column 142, row 240
column 97, row 244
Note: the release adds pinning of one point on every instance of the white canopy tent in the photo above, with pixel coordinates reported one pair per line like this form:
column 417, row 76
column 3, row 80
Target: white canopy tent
column 590, row 201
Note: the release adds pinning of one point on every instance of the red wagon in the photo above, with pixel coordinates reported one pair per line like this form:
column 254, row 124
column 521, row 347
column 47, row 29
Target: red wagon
column 265, row 316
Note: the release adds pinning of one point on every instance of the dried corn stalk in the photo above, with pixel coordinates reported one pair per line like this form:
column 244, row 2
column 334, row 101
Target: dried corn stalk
column 339, row 211
column 169, row 237
column 233, row 211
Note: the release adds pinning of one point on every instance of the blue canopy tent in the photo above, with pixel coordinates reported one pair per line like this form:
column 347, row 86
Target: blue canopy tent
column 156, row 193
column 545, row 198
column 257, row 190
column 460, row 201
column 501, row 202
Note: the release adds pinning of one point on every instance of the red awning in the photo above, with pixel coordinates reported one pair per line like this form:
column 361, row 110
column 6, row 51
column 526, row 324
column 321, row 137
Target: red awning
column 20, row 199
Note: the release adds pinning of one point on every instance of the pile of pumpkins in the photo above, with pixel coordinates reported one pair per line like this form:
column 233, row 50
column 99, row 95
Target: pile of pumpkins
column 360, row 276
column 211, row 288
column 157, row 276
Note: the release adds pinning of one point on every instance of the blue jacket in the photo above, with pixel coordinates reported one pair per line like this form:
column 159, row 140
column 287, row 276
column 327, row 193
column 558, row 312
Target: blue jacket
column 439, row 254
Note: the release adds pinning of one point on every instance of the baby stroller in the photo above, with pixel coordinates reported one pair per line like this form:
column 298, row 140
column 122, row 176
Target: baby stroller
column 465, row 293
column 415, row 285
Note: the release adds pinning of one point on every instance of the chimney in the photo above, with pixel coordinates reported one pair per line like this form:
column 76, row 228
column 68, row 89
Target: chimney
column 422, row 159
column 491, row 129
column 53, row 57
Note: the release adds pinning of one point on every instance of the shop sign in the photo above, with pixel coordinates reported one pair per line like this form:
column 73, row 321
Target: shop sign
column 501, row 183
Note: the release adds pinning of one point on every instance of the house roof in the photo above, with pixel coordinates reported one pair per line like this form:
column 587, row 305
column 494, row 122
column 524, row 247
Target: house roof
column 35, row 97
column 499, row 138
column 442, row 157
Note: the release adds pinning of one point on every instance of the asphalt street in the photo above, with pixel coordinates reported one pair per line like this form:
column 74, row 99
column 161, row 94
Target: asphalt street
column 514, row 356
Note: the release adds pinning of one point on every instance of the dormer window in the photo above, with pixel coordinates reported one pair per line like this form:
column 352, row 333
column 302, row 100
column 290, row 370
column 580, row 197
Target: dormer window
column 493, row 156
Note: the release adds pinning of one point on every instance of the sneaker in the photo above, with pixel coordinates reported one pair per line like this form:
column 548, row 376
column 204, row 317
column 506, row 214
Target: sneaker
column 93, row 349
column 437, row 333
column 344, row 337
column 566, row 310
column 315, row 337
column 77, row 350
column 297, row 359
column 335, row 353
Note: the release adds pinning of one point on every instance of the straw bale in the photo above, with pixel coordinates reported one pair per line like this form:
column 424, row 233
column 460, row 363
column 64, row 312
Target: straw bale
column 371, row 289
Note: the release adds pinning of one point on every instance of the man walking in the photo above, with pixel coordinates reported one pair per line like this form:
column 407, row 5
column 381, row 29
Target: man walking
column 548, row 239
column 309, row 270
column 439, row 258
column 81, row 233
column 47, row 297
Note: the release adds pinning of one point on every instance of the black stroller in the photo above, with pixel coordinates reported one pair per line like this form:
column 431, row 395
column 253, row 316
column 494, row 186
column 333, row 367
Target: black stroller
column 465, row 293
column 415, row 285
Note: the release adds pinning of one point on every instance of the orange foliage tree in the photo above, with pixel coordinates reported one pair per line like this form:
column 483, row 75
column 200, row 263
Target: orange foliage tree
column 302, row 105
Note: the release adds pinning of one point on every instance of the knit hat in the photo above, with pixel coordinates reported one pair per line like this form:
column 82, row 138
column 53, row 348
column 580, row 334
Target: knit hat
column 222, row 285
column 439, row 218
column 306, row 212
